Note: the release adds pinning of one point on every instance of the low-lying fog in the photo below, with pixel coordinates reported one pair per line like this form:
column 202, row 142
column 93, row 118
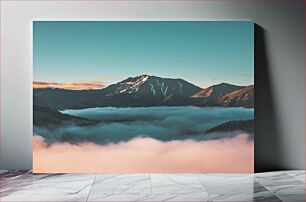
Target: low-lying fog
column 146, row 155
column 161, row 123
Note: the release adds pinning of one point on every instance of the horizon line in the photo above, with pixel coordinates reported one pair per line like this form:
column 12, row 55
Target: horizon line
column 99, row 85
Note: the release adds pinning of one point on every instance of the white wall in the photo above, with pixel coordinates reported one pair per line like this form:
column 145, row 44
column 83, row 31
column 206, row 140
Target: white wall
column 283, row 28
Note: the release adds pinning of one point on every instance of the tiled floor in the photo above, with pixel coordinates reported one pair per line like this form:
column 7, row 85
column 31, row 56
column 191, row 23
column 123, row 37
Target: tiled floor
column 273, row 186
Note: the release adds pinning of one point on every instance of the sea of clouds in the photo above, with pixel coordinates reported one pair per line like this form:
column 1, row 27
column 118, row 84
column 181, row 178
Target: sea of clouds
column 160, row 123
column 146, row 155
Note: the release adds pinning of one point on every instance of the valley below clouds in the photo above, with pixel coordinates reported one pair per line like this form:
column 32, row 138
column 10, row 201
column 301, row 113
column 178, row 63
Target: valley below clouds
column 161, row 123
column 150, row 139
column 146, row 155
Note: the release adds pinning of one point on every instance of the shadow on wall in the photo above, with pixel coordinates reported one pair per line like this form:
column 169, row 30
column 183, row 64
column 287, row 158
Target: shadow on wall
column 267, row 152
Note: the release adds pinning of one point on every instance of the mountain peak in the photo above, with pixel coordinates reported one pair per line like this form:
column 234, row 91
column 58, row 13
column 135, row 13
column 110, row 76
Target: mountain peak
column 142, row 76
column 153, row 86
column 217, row 90
column 149, row 90
column 223, row 84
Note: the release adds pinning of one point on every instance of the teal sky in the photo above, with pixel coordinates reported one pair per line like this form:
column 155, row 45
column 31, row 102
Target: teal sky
column 201, row 52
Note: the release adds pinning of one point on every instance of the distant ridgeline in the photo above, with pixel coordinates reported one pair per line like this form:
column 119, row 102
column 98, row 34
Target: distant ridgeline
column 141, row 91
column 147, row 91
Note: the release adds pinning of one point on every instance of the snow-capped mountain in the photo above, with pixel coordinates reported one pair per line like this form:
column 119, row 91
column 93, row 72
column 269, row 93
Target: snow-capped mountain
column 152, row 86
column 145, row 90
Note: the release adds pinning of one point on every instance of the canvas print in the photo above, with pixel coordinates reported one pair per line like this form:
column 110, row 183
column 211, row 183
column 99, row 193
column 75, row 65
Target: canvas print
column 143, row 96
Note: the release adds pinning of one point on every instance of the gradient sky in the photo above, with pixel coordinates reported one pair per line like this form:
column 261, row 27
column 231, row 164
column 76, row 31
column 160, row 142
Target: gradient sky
column 203, row 53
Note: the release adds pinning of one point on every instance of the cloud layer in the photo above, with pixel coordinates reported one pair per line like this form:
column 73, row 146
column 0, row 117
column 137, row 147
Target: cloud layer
column 81, row 85
column 146, row 155
column 161, row 123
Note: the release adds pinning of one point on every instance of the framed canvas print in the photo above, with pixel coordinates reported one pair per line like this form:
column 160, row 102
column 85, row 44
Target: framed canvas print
column 143, row 96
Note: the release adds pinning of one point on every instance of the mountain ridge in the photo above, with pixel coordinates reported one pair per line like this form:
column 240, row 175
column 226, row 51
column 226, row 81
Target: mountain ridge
column 145, row 90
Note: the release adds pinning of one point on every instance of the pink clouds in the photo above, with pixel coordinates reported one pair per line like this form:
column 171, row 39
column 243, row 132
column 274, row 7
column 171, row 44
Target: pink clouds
column 146, row 155
column 81, row 85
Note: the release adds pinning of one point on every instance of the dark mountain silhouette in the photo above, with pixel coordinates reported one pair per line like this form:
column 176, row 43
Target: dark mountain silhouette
column 153, row 86
column 65, row 99
column 210, row 95
column 45, row 115
column 216, row 91
column 243, row 97
column 240, row 125
column 145, row 91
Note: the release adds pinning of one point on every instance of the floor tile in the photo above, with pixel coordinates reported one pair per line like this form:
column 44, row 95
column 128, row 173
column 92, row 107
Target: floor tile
column 114, row 184
column 266, row 198
column 259, row 189
column 13, row 173
column 236, row 184
column 150, row 197
column 180, row 198
column 14, row 180
column 172, row 184
column 298, row 175
column 115, row 198
column 291, row 197
column 281, row 183
column 245, row 198
column 286, row 186
column 276, row 175
column 48, row 184
column 43, row 198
